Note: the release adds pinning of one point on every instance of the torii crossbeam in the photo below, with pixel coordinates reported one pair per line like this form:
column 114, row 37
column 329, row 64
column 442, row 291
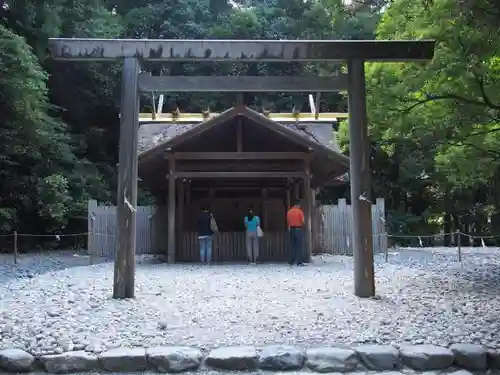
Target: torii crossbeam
column 132, row 51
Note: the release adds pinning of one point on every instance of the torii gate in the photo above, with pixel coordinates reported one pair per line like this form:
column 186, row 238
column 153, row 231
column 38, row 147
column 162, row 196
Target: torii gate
column 132, row 51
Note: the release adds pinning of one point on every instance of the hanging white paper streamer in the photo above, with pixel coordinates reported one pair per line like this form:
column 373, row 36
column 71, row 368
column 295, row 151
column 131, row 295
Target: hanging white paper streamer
column 482, row 242
column 130, row 207
column 363, row 197
column 348, row 242
column 420, row 242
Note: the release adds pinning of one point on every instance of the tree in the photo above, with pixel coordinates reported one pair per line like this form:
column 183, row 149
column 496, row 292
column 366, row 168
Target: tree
column 443, row 111
column 36, row 152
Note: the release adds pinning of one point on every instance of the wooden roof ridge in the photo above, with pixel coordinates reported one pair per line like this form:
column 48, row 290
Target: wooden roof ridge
column 295, row 134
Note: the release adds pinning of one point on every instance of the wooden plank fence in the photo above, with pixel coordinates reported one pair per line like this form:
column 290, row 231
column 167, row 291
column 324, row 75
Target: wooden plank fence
column 333, row 233
column 231, row 245
column 102, row 237
column 336, row 228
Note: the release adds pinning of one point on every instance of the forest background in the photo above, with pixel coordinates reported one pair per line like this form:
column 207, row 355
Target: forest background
column 434, row 127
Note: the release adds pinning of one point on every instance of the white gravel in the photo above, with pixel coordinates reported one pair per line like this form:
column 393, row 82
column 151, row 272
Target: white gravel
column 424, row 296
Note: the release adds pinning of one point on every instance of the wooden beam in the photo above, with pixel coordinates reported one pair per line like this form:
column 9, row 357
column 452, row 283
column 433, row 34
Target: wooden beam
column 240, row 155
column 239, row 188
column 360, row 178
column 220, row 174
column 292, row 118
column 171, row 212
column 239, row 50
column 124, row 271
column 238, row 166
column 256, row 183
column 242, row 83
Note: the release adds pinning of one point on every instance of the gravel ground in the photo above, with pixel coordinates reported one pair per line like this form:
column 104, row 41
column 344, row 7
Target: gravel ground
column 59, row 303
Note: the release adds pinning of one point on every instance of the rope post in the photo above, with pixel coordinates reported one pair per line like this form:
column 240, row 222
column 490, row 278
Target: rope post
column 15, row 247
column 459, row 246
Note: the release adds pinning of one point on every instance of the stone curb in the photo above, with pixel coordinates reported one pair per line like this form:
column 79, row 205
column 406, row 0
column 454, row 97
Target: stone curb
column 271, row 358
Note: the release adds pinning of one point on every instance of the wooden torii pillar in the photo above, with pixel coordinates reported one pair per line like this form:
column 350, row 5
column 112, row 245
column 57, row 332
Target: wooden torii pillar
column 359, row 146
column 355, row 52
column 124, row 274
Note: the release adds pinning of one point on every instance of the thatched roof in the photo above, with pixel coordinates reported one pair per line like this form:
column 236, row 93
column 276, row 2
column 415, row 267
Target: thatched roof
column 155, row 134
column 329, row 162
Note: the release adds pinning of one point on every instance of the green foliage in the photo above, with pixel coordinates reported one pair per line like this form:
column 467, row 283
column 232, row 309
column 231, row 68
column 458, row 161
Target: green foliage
column 439, row 120
column 42, row 185
column 434, row 127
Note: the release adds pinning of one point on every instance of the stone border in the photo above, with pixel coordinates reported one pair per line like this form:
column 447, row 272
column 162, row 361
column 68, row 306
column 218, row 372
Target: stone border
column 246, row 358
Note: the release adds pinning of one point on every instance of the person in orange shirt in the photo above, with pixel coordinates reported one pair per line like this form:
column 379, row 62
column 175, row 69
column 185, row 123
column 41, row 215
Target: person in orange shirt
column 295, row 220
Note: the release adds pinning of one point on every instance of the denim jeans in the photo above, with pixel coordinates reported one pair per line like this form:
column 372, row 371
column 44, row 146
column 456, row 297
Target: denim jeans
column 296, row 245
column 205, row 248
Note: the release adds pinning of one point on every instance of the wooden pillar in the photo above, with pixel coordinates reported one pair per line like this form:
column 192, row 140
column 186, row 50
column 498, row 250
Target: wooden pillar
column 314, row 222
column 188, row 193
column 239, row 134
column 124, row 272
column 263, row 209
column 359, row 153
column 171, row 212
column 211, row 195
column 180, row 207
column 188, row 209
column 287, row 204
column 307, row 211
column 296, row 192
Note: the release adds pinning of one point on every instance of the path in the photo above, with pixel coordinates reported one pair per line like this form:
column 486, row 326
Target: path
column 425, row 296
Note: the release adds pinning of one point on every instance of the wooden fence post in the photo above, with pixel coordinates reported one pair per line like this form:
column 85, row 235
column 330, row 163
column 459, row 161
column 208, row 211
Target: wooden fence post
column 15, row 247
column 383, row 239
column 90, row 239
column 459, row 246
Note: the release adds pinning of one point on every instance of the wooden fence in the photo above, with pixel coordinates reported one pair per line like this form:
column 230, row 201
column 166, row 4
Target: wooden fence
column 102, row 237
column 336, row 227
column 333, row 233
column 231, row 245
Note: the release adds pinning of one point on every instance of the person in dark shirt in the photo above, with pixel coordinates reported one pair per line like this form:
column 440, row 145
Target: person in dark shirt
column 206, row 229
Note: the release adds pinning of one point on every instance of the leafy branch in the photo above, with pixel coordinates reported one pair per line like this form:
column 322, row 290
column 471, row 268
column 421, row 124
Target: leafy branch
column 485, row 101
column 432, row 98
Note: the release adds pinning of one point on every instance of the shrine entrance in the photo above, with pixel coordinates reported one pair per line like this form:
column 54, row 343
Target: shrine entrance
column 355, row 53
